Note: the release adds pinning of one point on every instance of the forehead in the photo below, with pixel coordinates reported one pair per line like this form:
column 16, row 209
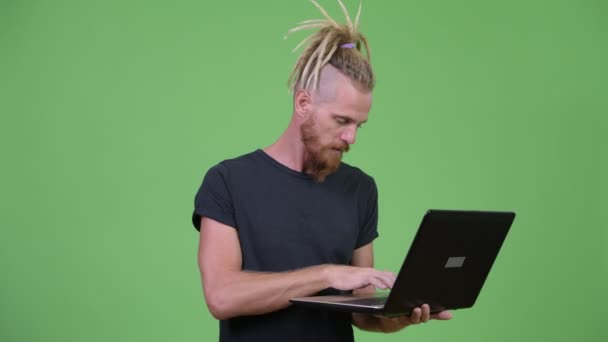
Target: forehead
column 350, row 100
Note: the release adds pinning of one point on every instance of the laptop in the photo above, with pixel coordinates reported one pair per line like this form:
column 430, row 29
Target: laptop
column 446, row 266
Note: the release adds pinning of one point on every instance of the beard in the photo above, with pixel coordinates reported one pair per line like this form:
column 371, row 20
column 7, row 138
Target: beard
column 320, row 160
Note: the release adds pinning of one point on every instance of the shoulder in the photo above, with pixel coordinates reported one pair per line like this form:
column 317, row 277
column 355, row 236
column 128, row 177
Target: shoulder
column 237, row 164
column 224, row 176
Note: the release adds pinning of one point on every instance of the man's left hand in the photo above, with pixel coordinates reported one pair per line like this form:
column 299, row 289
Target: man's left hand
column 419, row 315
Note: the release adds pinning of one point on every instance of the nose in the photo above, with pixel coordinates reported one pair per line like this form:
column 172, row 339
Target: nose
column 349, row 135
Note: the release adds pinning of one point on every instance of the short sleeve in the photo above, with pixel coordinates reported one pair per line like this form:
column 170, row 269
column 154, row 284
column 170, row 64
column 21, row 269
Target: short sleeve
column 368, row 214
column 213, row 199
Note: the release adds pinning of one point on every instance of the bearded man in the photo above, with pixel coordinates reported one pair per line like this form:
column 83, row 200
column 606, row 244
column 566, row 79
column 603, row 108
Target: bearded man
column 293, row 220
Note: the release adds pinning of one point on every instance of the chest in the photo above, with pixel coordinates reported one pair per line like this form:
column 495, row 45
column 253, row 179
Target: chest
column 283, row 228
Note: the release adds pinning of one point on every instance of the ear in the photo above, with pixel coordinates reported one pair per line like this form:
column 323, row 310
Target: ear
column 302, row 103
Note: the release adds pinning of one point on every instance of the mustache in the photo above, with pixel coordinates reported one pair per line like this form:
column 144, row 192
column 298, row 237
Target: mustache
column 343, row 147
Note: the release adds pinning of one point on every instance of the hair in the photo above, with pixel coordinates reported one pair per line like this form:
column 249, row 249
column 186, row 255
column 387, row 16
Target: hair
column 325, row 47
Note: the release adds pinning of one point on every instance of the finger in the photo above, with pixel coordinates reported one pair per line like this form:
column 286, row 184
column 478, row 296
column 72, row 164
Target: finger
column 415, row 316
column 426, row 313
column 443, row 315
column 387, row 277
column 378, row 283
column 392, row 278
column 390, row 275
column 366, row 289
column 376, row 278
column 386, row 281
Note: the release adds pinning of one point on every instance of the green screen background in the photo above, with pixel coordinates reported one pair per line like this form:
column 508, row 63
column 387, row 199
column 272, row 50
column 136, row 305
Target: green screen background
column 112, row 111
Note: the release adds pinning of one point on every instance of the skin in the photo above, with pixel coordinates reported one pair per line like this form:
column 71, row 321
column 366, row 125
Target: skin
column 332, row 115
column 338, row 109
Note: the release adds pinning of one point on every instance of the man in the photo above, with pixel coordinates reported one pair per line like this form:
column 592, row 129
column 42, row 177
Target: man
column 292, row 220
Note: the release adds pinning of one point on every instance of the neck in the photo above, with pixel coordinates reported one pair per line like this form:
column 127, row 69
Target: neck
column 289, row 149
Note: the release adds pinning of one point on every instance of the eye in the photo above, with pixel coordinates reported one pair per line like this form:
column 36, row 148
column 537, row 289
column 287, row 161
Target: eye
column 341, row 120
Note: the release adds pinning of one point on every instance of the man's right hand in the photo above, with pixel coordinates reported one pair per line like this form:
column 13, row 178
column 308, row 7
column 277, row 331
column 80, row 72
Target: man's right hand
column 351, row 278
column 230, row 291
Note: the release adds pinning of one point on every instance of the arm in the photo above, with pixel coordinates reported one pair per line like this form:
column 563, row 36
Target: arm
column 364, row 257
column 229, row 291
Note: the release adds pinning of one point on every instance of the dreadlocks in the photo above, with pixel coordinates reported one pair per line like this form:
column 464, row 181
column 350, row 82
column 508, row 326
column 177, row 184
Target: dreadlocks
column 336, row 44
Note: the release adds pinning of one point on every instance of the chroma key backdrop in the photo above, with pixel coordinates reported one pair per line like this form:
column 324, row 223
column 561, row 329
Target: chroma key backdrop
column 112, row 111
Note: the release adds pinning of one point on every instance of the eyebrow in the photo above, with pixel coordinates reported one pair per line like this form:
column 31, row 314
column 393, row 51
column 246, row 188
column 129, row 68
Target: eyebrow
column 346, row 117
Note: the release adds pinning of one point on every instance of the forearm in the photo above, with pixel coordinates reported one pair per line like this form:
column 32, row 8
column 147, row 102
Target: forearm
column 239, row 293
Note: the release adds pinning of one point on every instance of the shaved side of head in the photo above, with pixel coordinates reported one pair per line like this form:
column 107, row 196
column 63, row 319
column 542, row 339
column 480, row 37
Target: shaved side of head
column 326, row 91
column 329, row 78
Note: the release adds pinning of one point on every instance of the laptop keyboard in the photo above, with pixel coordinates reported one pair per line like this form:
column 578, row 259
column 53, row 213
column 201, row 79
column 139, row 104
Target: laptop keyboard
column 367, row 301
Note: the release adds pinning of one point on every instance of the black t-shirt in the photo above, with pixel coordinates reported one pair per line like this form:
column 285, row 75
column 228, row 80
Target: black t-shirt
column 285, row 221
